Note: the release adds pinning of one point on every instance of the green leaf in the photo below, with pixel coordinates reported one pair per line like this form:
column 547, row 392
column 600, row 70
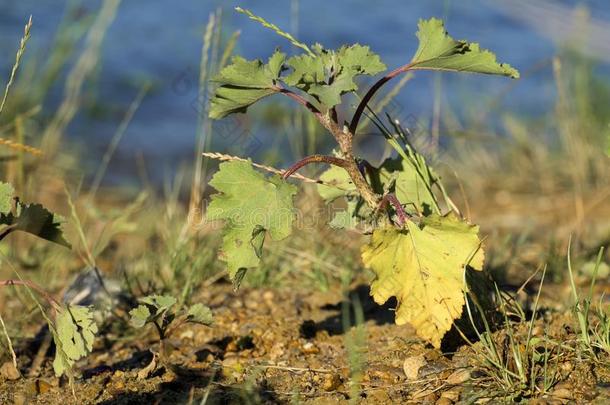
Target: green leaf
column 250, row 205
column 139, row 316
column 243, row 82
column 360, row 60
column 199, row 313
column 160, row 303
column 6, row 197
column 75, row 332
column 307, row 70
column 412, row 184
column 423, row 267
column 438, row 51
column 336, row 183
column 328, row 75
column 342, row 220
column 36, row 220
column 330, row 94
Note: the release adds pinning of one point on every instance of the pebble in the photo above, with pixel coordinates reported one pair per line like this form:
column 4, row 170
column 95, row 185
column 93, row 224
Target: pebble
column 379, row 397
column 386, row 373
column 43, row 386
column 412, row 365
column 310, row 348
column 566, row 367
column 268, row 296
column 432, row 368
column 8, row 371
column 562, row 393
column 444, row 401
column 453, row 395
column 19, row 399
column 458, row 377
column 331, row 382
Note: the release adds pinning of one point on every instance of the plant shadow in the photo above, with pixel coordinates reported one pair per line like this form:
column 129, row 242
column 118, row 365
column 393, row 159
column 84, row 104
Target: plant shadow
column 197, row 386
column 358, row 299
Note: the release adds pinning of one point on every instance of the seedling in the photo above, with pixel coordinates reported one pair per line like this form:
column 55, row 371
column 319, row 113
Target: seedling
column 160, row 311
column 420, row 245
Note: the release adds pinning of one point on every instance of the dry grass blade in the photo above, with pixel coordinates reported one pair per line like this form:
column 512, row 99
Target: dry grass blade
column 275, row 29
column 20, row 52
column 19, row 147
column 228, row 158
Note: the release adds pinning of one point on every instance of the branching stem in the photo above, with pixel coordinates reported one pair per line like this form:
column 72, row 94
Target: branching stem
column 344, row 138
column 314, row 159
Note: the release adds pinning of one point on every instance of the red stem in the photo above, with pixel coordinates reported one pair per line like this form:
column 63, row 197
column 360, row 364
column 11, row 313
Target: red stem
column 314, row 159
column 369, row 95
column 33, row 286
column 301, row 100
column 400, row 212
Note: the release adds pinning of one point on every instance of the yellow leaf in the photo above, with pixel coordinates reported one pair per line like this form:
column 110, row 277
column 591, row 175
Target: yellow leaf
column 423, row 267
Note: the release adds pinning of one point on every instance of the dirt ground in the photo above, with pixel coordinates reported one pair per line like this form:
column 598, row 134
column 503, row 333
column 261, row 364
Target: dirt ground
column 287, row 346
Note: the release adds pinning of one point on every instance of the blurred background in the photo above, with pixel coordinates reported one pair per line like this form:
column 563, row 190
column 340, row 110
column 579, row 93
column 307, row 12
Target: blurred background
column 158, row 46
column 115, row 93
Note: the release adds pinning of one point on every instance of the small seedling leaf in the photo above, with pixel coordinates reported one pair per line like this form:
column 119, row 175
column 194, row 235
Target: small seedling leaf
column 438, row 51
column 423, row 267
column 250, row 205
column 199, row 313
column 75, row 332
column 160, row 303
column 139, row 316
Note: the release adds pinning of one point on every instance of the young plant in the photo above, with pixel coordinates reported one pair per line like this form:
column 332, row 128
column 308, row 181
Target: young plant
column 160, row 311
column 420, row 246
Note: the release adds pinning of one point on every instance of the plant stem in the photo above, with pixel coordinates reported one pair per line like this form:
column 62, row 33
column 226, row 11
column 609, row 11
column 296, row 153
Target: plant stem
column 371, row 92
column 314, row 159
column 33, row 286
column 400, row 212
column 344, row 139
column 6, row 231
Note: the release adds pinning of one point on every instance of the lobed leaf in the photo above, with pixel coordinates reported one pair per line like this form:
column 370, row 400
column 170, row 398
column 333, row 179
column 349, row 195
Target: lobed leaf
column 75, row 331
column 139, row 316
column 251, row 205
column 199, row 313
column 327, row 75
column 423, row 267
column 160, row 303
column 438, row 51
column 243, row 82
column 36, row 220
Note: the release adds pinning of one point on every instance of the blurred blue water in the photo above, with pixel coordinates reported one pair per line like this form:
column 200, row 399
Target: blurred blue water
column 161, row 41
